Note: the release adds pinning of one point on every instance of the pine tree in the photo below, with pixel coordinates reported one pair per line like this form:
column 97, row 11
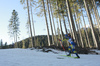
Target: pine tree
column 29, row 22
column 91, row 24
column 14, row 26
column 46, row 22
column 1, row 44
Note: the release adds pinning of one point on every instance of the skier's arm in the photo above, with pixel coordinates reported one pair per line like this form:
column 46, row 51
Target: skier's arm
column 65, row 39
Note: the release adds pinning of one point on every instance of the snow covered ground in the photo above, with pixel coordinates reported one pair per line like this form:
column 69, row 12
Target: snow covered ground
column 27, row 57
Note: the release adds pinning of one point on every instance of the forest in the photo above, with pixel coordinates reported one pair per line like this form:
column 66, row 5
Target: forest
column 71, row 16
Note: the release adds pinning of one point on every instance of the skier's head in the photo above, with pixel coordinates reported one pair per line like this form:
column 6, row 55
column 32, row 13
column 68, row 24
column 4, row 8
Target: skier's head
column 69, row 35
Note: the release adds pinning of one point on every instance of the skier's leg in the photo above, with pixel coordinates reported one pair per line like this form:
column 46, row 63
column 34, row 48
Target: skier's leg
column 73, row 49
column 69, row 50
column 75, row 53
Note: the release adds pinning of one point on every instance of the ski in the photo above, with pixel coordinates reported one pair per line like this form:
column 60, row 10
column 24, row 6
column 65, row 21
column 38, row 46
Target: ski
column 68, row 56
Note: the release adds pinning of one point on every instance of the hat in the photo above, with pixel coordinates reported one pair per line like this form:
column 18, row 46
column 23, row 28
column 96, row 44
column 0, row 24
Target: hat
column 69, row 35
column 66, row 35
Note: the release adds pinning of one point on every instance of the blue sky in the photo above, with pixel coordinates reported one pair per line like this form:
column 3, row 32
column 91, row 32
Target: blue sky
column 6, row 8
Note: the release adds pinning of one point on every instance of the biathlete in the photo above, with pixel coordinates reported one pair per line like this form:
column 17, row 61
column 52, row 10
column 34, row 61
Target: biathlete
column 71, row 46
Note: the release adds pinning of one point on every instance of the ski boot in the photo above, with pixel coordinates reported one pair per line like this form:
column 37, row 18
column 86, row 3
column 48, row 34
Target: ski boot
column 77, row 56
column 69, row 55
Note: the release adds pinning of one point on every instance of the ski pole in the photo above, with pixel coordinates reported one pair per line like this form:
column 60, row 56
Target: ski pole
column 62, row 47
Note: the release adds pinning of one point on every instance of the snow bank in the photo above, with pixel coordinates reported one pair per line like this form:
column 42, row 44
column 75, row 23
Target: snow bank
column 27, row 57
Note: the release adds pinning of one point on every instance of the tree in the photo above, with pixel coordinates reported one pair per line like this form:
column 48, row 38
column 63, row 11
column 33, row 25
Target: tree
column 32, row 21
column 85, row 28
column 29, row 22
column 48, row 7
column 28, row 5
column 23, row 46
column 71, row 20
column 14, row 26
column 46, row 22
column 58, row 14
column 91, row 23
column 55, row 37
column 1, row 44
column 97, row 16
column 5, row 46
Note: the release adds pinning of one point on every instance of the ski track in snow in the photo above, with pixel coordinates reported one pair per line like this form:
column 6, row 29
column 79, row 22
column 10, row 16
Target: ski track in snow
column 27, row 57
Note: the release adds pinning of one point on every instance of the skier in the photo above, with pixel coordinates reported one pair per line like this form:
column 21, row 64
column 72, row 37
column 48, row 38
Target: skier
column 72, row 45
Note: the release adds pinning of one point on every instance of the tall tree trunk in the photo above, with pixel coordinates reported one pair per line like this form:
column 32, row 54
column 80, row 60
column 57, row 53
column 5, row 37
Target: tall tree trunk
column 29, row 22
column 46, row 23
column 64, row 23
column 86, row 44
column 71, row 20
column 97, row 19
column 66, row 32
column 64, row 19
column 53, row 24
column 86, row 30
column 68, row 19
column 58, row 29
column 78, row 23
column 91, row 24
column 33, row 24
column 81, row 36
column 78, row 32
column 50, row 23
column 59, row 20
column 16, row 41
column 96, row 14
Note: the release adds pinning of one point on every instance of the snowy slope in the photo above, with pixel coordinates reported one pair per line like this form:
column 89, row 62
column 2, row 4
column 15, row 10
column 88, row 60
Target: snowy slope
column 27, row 57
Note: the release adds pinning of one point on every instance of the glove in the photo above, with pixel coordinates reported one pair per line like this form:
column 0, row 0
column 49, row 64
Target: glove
column 60, row 40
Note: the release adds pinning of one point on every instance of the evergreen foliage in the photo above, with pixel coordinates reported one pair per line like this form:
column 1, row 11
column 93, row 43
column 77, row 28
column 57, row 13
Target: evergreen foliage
column 43, row 42
column 14, row 26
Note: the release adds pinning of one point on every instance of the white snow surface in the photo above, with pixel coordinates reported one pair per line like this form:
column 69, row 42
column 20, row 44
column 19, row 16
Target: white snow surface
column 27, row 57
